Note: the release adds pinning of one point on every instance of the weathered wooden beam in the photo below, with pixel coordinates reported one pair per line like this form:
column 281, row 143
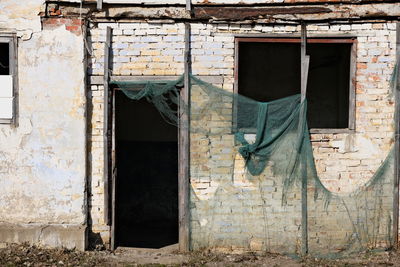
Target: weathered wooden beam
column 188, row 5
column 261, row 14
column 243, row 13
column 14, row 73
column 352, row 87
column 106, row 97
column 397, row 145
column 99, row 4
column 209, row 3
column 184, row 150
column 97, row 80
column 305, row 60
column 113, row 176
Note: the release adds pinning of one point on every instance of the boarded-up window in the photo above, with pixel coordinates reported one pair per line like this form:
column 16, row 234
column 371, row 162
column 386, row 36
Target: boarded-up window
column 7, row 78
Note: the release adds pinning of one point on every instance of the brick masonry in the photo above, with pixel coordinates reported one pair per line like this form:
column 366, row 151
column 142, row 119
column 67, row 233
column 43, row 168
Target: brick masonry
column 71, row 24
column 344, row 161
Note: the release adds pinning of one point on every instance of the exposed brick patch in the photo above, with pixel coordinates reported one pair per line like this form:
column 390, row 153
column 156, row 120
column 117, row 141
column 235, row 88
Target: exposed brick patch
column 71, row 24
column 54, row 12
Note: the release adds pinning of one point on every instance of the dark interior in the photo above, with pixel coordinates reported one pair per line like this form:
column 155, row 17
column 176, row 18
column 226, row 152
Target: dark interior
column 269, row 71
column 4, row 59
column 147, row 176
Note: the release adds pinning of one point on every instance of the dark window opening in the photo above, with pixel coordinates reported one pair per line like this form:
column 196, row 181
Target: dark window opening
column 4, row 59
column 269, row 70
column 147, row 176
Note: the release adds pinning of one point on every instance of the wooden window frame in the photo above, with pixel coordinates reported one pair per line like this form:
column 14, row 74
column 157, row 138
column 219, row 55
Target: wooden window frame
column 321, row 40
column 11, row 40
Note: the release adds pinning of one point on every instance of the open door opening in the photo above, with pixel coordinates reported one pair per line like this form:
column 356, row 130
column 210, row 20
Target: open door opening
column 146, row 197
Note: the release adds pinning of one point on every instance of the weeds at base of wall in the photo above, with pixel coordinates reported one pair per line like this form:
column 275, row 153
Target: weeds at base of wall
column 26, row 255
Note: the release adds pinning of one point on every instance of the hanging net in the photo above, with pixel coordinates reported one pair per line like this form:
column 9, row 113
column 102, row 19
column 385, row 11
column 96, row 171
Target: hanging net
column 247, row 163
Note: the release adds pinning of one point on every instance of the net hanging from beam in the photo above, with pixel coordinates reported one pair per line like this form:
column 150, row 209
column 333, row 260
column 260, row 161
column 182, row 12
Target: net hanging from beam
column 247, row 161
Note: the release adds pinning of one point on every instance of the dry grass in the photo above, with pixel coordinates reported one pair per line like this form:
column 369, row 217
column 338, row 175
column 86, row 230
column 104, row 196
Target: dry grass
column 33, row 256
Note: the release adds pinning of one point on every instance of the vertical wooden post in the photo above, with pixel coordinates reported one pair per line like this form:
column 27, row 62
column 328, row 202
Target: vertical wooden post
column 352, row 87
column 184, row 145
column 188, row 5
column 305, row 60
column 14, row 72
column 113, row 173
column 184, row 152
column 397, row 144
column 106, row 99
column 99, row 4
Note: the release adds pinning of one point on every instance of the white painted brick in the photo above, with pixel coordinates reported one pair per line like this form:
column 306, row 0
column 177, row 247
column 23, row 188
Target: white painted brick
column 376, row 49
column 127, row 26
column 345, row 27
column 128, row 32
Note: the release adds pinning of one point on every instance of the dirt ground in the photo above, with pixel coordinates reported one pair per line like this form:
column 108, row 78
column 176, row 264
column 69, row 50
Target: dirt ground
column 33, row 256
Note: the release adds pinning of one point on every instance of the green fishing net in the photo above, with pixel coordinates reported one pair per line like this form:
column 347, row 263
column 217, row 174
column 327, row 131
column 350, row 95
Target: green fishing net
column 247, row 163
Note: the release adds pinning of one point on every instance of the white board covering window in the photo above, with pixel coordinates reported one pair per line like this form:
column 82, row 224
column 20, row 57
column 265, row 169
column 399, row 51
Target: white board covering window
column 7, row 79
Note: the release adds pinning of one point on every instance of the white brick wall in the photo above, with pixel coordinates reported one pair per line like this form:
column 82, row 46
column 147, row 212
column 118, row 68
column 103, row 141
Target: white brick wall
column 344, row 161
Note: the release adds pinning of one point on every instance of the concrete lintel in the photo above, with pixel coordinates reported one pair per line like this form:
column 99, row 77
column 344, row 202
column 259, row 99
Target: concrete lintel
column 50, row 235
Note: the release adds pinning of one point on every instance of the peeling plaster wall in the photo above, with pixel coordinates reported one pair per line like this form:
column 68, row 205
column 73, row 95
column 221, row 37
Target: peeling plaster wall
column 42, row 159
column 22, row 18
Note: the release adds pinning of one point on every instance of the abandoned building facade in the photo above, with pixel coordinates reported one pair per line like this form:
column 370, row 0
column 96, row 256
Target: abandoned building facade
column 83, row 165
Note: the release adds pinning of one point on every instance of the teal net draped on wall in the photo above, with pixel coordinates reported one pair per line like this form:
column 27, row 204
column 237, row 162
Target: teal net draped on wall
column 247, row 161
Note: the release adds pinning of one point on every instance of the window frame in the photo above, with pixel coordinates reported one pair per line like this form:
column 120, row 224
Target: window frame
column 11, row 40
column 312, row 39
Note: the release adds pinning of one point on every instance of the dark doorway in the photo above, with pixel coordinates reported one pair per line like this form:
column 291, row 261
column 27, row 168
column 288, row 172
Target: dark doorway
column 147, row 176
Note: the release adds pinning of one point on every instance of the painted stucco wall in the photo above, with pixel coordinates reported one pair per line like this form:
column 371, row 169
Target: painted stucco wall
column 42, row 158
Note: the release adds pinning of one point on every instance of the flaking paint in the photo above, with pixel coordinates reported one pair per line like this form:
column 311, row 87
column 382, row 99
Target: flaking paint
column 42, row 159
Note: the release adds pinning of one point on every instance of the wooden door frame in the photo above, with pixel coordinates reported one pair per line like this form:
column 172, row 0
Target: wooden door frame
column 113, row 173
column 109, row 162
column 183, row 173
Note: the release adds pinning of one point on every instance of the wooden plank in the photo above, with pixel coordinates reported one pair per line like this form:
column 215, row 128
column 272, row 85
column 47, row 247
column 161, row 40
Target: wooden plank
column 106, row 78
column 397, row 146
column 352, row 87
column 11, row 40
column 214, row 79
column 305, row 60
column 310, row 36
column 336, row 13
column 99, row 4
column 14, row 73
column 6, row 121
column 236, row 87
column 188, row 5
column 184, row 153
column 113, row 174
column 299, row 40
column 330, row 130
